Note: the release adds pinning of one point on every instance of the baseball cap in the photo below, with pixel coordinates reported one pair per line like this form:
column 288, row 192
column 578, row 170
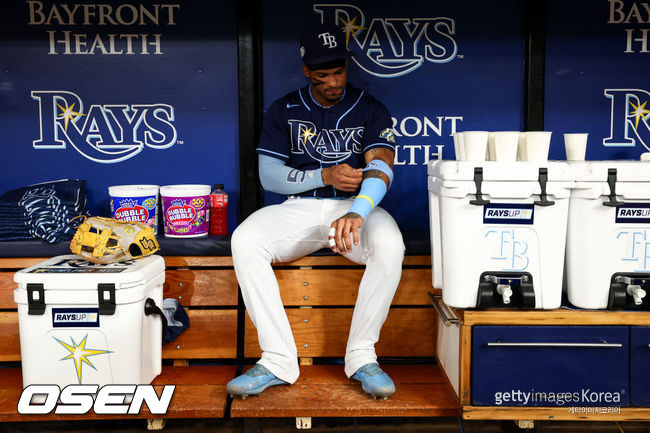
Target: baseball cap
column 322, row 43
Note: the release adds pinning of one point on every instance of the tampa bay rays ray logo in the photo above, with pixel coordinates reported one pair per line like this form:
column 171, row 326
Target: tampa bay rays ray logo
column 391, row 47
column 326, row 145
column 630, row 118
column 104, row 133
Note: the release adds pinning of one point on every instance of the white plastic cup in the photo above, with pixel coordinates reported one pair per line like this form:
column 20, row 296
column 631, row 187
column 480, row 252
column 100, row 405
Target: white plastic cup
column 505, row 146
column 475, row 145
column 490, row 148
column 575, row 146
column 521, row 147
column 537, row 145
column 459, row 146
column 645, row 156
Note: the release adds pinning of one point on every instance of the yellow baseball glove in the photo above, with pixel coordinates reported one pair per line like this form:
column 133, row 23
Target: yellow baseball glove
column 105, row 240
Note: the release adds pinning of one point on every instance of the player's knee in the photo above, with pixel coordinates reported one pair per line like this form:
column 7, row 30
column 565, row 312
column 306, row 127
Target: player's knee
column 389, row 249
column 243, row 241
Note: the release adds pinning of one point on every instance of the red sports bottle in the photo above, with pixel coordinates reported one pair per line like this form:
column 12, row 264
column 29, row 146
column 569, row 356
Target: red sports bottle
column 218, row 211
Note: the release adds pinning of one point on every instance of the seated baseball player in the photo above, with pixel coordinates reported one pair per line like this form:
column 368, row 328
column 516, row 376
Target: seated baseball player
column 329, row 146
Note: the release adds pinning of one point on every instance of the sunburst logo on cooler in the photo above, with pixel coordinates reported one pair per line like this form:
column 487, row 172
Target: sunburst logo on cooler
column 79, row 354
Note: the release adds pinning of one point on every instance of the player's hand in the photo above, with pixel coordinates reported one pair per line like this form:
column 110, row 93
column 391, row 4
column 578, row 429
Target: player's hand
column 340, row 231
column 342, row 177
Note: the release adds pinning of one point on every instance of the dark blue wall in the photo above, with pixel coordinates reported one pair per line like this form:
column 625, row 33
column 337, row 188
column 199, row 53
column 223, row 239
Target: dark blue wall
column 596, row 76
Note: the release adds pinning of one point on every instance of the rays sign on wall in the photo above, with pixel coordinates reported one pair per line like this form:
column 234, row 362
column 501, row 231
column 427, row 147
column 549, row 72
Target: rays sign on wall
column 392, row 47
column 629, row 119
column 106, row 133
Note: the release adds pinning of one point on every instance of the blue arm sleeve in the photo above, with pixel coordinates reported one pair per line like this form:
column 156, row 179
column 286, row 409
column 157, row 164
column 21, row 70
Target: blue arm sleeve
column 372, row 191
column 277, row 177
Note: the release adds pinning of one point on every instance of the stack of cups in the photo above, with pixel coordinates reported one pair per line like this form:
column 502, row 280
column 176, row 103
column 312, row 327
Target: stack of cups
column 502, row 146
column 471, row 145
column 510, row 146
column 491, row 146
column 534, row 146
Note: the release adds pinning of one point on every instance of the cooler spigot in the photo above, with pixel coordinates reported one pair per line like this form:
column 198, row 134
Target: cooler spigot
column 506, row 292
column 637, row 293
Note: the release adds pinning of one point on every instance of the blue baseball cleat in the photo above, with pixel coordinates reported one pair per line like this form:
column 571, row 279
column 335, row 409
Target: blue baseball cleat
column 253, row 382
column 374, row 381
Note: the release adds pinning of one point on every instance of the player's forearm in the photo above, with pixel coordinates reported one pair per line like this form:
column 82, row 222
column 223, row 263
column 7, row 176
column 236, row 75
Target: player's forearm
column 377, row 178
column 277, row 177
column 380, row 154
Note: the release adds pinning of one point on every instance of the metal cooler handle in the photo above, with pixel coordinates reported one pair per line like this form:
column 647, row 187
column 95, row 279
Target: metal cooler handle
column 445, row 313
column 498, row 344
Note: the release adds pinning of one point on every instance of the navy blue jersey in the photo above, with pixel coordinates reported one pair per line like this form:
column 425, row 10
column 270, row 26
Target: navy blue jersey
column 306, row 136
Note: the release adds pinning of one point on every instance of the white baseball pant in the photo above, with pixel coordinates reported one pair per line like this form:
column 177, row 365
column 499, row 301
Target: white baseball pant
column 296, row 228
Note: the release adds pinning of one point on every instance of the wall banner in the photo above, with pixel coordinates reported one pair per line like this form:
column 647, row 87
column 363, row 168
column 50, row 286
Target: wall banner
column 595, row 80
column 139, row 92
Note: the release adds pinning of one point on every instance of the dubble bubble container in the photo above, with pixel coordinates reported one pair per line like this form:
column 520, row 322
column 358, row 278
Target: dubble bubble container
column 186, row 210
column 135, row 203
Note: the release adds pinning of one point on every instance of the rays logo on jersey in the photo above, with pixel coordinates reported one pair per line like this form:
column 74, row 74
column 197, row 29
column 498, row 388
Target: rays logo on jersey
column 388, row 135
column 391, row 47
column 629, row 119
column 326, row 145
column 104, row 133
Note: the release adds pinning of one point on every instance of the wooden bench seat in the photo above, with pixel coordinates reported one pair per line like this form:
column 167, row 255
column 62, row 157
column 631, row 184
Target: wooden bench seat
column 325, row 391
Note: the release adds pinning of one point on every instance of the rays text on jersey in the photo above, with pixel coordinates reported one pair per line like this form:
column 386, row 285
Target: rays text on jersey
column 325, row 145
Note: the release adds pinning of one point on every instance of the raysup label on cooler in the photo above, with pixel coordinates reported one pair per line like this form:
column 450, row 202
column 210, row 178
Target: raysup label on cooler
column 506, row 213
column 638, row 213
column 75, row 317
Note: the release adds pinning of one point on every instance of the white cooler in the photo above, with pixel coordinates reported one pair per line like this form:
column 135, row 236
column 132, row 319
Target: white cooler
column 608, row 243
column 498, row 232
column 85, row 323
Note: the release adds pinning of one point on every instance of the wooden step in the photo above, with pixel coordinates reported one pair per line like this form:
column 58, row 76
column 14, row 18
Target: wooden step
column 325, row 391
column 200, row 393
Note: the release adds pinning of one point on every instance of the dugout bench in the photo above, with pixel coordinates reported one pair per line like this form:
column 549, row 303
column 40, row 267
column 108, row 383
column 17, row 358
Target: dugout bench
column 318, row 291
